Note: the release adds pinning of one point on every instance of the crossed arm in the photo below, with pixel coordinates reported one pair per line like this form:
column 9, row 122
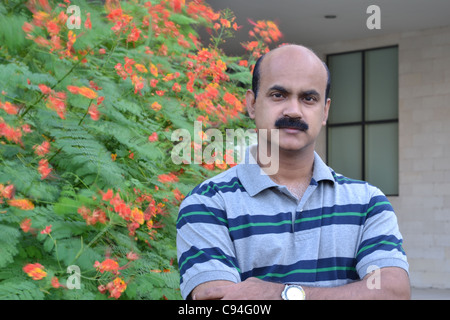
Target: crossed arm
column 394, row 284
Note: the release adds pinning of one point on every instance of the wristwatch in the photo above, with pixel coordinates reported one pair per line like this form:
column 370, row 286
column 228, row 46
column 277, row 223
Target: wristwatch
column 293, row 292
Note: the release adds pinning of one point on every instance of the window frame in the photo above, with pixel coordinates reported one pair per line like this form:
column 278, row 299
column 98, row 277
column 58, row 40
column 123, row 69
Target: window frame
column 363, row 123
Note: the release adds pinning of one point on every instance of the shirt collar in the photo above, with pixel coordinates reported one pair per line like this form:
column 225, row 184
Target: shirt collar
column 255, row 180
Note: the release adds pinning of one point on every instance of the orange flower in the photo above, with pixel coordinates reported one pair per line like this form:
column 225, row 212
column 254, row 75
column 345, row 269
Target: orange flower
column 9, row 108
column 116, row 287
column 141, row 68
column 44, row 168
column 22, row 204
column 109, row 265
column 42, row 149
column 88, row 93
column 97, row 215
column 35, row 271
column 225, row 23
column 167, row 178
column 10, row 133
column 153, row 70
column 84, row 91
column 137, row 216
column 138, row 83
column 55, row 101
column 8, row 191
column 156, row 106
column 25, row 225
column 52, row 28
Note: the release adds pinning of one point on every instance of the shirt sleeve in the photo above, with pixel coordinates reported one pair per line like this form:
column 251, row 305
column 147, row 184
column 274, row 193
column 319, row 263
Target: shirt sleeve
column 381, row 243
column 204, row 247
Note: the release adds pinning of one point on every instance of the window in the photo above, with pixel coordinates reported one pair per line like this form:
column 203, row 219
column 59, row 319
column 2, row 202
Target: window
column 362, row 129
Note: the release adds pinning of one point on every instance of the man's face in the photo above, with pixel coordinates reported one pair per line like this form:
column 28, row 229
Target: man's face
column 291, row 97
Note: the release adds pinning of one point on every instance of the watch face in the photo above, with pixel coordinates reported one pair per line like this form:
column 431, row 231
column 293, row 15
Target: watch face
column 295, row 293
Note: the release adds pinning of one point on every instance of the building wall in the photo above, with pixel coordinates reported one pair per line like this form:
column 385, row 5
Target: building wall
column 423, row 204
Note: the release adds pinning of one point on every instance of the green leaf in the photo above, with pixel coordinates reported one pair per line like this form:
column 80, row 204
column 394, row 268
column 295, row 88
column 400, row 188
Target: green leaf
column 9, row 240
column 17, row 289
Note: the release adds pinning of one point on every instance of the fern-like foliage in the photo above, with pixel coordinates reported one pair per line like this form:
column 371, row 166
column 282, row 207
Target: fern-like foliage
column 9, row 239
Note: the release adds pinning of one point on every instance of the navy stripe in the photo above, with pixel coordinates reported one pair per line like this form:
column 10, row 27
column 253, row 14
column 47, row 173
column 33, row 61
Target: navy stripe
column 351, row 214
column 199, row 213
column 344, row 180
column 248, row 225
column 327, row 269
column 379, row 204
column 195, row 255
column 383, row 242
column 211, row 188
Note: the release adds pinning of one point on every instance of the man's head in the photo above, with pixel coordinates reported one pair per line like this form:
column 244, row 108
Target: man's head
column 256, row 75
column 290, row 89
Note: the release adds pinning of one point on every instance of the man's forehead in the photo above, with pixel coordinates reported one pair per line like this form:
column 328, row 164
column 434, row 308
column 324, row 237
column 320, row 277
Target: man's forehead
column 291, row 60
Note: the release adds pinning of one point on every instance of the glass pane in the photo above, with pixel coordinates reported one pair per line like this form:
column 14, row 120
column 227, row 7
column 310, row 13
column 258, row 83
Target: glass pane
column 382, row 156
column 381, row 84
column 346, row 87
column 344, row 151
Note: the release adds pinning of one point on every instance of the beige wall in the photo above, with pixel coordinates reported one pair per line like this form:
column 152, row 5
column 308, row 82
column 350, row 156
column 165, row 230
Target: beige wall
column 423, row 204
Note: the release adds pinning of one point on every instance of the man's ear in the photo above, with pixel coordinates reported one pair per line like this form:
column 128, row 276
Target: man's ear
column 326, row 111
column 250, row 103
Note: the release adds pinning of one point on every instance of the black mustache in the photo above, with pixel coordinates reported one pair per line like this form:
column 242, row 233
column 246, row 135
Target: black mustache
column 291, row 123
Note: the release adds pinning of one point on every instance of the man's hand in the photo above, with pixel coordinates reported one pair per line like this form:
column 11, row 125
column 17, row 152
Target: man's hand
column 394, row 284
column 250, row 289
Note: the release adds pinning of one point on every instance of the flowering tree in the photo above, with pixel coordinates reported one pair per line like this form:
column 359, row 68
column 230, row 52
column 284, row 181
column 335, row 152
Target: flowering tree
column 90, row 95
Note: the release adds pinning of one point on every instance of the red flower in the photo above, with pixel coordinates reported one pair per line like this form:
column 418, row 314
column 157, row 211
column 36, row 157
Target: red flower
column 132, row 256
column 108, row 195
column 47, row 230
column 35, row 271
column 153, row 137
column 94, row 113
column 42, row 149
column 109, row 265
column 176, row 87
column 116, row 287
column 87, row 23
column 167, row 178
column 134, row 35
column 55, row 283
column 44, row 89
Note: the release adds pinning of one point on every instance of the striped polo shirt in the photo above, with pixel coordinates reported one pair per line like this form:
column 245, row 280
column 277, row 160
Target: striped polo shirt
column 241, row 224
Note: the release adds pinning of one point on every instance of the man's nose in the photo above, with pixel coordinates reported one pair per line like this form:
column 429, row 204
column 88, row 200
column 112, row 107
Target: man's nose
column 293, row 109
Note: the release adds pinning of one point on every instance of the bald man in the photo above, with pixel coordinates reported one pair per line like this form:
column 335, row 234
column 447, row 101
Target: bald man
column 302, row 232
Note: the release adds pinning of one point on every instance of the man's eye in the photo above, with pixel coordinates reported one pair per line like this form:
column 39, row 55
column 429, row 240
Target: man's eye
column 310, row 99
column 277, row 95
